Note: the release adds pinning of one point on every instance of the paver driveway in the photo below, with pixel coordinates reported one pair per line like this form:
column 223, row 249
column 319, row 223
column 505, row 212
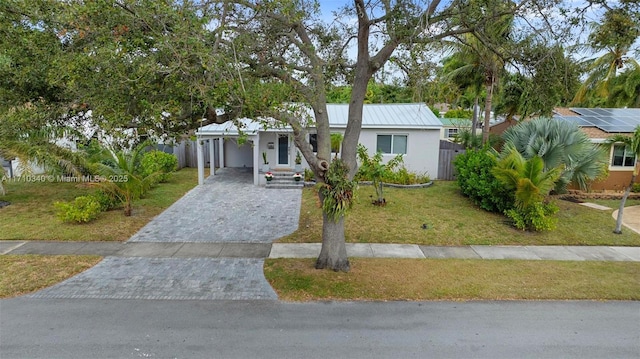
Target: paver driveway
column 227, row 208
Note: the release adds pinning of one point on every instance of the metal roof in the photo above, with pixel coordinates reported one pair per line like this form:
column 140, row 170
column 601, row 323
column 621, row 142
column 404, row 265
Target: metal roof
column 390, row 116
column 397, row 115
column 610, row 120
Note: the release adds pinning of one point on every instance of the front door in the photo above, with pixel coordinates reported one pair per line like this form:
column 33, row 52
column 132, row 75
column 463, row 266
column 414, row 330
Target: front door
column 283, row 150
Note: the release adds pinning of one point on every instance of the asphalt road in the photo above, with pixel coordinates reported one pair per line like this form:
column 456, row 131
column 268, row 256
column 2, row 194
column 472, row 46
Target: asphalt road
column 37, row 328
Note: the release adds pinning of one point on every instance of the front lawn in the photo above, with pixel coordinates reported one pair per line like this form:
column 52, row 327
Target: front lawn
column 31, row 215
column 22, row 274
column 455, row 279
column 440, row 215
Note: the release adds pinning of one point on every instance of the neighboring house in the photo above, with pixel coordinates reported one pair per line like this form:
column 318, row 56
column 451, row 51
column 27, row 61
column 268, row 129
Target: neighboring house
column 600, row 124
column 451, row 127
column 408, row 129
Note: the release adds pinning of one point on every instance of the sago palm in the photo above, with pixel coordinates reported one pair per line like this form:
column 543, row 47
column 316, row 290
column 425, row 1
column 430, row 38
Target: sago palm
column 527, row 177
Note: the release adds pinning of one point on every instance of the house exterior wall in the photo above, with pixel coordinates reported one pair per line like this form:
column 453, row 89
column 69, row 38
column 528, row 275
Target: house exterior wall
column 422, row 148
column 616, row 181
column 237, row 156
column 267, row 138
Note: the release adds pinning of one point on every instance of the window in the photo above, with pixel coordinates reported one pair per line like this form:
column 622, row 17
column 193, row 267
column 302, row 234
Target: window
column 452, row 132
column 392, row 144
column 622, row 156
column 313, row 141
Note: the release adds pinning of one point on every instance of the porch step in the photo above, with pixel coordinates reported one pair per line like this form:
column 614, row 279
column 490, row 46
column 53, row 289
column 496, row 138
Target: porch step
column 284, row 180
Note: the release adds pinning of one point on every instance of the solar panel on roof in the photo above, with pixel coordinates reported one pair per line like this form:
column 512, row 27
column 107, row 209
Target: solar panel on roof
column 617, row 128
column 584, row 111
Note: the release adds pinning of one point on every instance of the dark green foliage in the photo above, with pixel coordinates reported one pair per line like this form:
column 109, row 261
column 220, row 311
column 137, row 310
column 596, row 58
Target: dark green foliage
column 159, row 162
column 458, row 113
column 83, row 209
column 478, row 183
column 636, row 188
column 106, row 200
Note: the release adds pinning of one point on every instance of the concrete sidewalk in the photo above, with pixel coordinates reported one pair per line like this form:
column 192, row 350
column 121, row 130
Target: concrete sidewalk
column 630, row 218
column 311, row 250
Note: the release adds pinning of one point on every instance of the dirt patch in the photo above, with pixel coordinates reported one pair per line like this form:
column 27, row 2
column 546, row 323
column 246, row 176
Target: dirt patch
column 579, row 195
column 572, row 199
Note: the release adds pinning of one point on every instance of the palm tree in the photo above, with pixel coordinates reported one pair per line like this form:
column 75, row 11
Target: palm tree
column 123, row 176
column 559, row 143
column 528, row 177
column 615, row 35
column 31, row 139
column 484, row 58
column 632, row 145
column 625, row 88
column 531, row 184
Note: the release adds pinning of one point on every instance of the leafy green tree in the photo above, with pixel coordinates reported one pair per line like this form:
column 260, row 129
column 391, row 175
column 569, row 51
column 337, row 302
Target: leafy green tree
column 548, row 78
column 36, row 110
column 632, row 145
column 296, row 48
column 560, row 144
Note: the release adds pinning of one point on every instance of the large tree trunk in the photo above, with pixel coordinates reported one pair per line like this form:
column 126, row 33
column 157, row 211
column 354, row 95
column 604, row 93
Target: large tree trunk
column 333, row 254
column 487, row 110
column 474, row 119
column 623, row 201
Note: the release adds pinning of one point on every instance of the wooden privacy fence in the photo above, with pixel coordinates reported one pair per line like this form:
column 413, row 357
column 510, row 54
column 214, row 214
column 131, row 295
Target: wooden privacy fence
column 448, row 152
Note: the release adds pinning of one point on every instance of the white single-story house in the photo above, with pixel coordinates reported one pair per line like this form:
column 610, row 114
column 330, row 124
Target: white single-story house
column 408, row 129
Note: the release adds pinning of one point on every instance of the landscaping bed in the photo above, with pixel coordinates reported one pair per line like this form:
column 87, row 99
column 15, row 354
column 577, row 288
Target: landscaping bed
column 32, row 216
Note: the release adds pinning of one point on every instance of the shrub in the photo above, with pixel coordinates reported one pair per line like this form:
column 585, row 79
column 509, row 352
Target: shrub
column 478, row 183
column 536, row 217
column 405, row 177
column 158, row 162
column 83, row 209
column 106, row 200
column 309, row 175
column 635, row 188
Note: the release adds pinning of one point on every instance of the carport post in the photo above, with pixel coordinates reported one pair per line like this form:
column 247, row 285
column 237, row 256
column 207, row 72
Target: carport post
column 212, row 158
column 256, row 159
column 200, row 155
column 221, row 152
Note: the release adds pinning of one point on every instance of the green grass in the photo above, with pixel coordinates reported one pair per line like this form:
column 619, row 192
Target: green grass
column 452, row 219
column 455, row 279
column 22, row 274
column 615, row 203
column 31, row 215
